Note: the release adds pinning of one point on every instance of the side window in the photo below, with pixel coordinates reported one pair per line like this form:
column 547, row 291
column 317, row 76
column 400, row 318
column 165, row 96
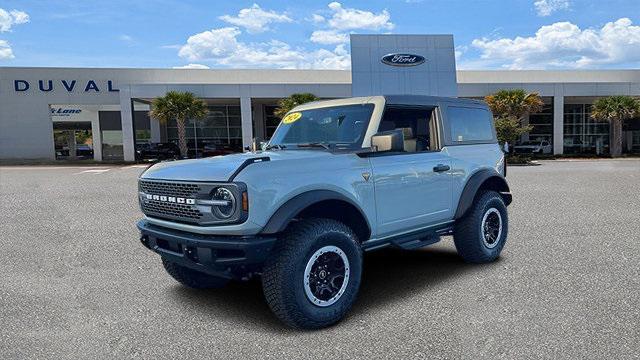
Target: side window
column 469, row 124
column 417, row 125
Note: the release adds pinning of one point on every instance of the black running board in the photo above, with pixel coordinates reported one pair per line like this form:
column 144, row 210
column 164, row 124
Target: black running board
column 410, row 241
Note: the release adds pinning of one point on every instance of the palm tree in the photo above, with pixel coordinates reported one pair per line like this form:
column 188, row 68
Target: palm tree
column 285, row 105
column 178, row 106
column 616, row 110
column 509, row 108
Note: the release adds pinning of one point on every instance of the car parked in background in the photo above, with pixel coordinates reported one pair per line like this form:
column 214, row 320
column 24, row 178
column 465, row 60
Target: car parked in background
column 83, row 151
column 212, row 149
column 534, row 147
column 157, row 151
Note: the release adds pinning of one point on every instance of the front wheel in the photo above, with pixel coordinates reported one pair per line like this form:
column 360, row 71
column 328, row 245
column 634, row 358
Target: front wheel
column 481, row 234
column 313, row 277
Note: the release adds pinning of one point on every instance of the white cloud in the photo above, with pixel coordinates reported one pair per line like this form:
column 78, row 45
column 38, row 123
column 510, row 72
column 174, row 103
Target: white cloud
column 128, row 40
column 339, row 58
column 344, row 19
column 255, row 19
column 547, row 7
column 5, row 50
column 459, row 51
column 222, row 47
column 351, row 19
column 329, row 37
column 10, row 18
column 317, row 18
column 192, row 66
column 565, row 45
column 210, row 44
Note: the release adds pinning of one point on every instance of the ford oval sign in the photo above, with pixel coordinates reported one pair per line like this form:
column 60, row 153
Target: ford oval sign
column 403, row 59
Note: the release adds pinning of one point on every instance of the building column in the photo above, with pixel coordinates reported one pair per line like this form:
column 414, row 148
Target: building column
column 558, row 124
column 258, row 120
column 126, row 118
column 246, row 119
column 96, row 137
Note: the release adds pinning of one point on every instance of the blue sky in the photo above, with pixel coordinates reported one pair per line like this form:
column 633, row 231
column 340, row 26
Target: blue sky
column 519, row 34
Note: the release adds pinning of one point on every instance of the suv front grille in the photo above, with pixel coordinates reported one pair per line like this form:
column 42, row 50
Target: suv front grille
column 168, row 188
column 160, row 205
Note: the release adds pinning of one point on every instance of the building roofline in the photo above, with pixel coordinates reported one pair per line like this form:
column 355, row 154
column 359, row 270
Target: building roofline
column 311, row 76
column 547, row 76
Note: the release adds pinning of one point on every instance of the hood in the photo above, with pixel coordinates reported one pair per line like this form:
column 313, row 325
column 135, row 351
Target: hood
column 220, row 168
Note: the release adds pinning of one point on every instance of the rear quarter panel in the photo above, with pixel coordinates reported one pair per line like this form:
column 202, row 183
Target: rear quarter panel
column 466, row 160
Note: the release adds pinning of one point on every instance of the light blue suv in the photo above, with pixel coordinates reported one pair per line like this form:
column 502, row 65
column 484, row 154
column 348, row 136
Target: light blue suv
column 338, row 178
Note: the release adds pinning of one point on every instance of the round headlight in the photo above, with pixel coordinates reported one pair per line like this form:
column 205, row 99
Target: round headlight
column 227, row 203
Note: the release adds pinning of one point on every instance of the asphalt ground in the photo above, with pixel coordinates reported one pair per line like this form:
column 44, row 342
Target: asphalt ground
column 76, row 283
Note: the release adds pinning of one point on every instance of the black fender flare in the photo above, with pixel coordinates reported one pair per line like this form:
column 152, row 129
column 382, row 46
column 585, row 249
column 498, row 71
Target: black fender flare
column 490, row 177
column 292, row 207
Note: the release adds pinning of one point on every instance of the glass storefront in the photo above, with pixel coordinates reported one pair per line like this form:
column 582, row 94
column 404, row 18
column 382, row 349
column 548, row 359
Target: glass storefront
column 542, row 123
column 271, row 121
column 582, row 134
column 111, row 135
column 635, row 141
column 73, row 140
column 219, row 133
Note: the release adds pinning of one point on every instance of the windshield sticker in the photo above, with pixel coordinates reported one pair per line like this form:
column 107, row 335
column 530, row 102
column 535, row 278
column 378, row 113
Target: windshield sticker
column 290, row 118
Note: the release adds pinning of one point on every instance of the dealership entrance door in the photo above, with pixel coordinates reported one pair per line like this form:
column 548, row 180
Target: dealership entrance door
column 73, row 140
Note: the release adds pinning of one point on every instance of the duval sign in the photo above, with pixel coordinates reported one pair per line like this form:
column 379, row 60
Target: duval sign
column 64, row 85
column 403, row 59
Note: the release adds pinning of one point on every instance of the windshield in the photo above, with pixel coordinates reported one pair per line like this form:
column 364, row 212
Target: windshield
column 339, row 126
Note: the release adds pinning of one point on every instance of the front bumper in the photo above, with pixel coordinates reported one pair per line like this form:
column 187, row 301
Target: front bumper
column 232, row 257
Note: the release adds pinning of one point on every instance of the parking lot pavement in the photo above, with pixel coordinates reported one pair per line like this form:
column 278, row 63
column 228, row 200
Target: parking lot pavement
column 77, row 284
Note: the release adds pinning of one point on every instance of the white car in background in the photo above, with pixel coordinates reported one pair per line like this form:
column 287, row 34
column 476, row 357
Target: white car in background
column 534, row 147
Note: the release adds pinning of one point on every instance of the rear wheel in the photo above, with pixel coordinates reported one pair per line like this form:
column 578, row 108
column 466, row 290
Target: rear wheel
column 313, row 277
column 191, row 278
column 481, row 234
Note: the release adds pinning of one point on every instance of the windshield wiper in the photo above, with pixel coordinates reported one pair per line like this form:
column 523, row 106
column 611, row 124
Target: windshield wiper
column 275, row 146
column 315, row 144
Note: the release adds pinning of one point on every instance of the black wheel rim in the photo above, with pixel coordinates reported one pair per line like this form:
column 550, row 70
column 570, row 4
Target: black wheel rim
column 491, row 228
column 326, row 276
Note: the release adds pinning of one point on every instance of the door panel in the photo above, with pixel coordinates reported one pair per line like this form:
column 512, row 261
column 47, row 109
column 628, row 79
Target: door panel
column 409, row 193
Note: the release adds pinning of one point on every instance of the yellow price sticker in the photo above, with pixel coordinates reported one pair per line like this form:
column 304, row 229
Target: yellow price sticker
column 290, row 118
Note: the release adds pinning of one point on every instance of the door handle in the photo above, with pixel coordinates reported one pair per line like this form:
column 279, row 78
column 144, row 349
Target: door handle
column 441, row 168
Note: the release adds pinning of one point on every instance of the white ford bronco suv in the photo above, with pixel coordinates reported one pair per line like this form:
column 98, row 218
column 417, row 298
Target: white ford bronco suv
column 337, row 178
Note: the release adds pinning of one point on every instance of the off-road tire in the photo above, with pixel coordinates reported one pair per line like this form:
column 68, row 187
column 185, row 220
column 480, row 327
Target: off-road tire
column 284, row 272
column 468, row 233
column 191, row 278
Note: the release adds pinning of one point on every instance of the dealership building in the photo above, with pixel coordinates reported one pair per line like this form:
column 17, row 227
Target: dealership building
column 99, row 113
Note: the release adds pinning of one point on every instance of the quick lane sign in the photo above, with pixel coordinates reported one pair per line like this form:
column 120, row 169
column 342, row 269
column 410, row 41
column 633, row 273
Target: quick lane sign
column 58, row 111
column 65, row 85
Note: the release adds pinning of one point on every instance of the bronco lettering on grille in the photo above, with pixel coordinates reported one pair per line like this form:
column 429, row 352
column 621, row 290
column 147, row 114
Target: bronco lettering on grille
column 170, row 199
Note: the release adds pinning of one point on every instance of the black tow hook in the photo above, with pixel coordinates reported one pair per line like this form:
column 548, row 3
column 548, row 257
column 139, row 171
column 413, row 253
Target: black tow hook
column 144, row 239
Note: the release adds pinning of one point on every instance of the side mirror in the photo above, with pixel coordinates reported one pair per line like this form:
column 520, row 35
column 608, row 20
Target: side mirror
column 392, row 140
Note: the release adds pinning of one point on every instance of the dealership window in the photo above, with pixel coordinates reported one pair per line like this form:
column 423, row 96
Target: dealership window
column 582, row 134
column 219, row 132
column 111, row 135
column 542, row 123
column 271, row 121
column 635, row 141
